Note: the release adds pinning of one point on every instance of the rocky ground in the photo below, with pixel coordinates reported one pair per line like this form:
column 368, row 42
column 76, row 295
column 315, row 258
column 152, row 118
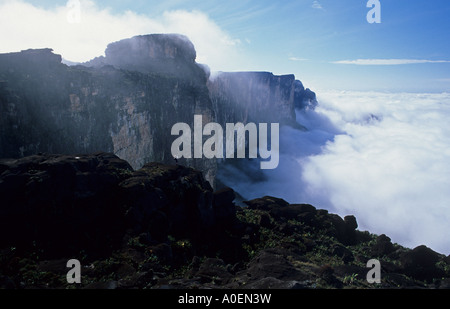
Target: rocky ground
column 163, row 227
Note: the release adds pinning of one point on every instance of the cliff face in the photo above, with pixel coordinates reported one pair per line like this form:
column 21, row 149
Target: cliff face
column 167, row 54
column 258, row 97
column 119, row 106
column 127, row 101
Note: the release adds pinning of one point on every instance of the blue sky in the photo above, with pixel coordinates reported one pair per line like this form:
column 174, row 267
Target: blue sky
column 319, row 41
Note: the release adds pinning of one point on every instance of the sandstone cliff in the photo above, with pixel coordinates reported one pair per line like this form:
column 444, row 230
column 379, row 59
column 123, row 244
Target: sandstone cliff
column 127, row 101
column 258, row 97
column 119, row 106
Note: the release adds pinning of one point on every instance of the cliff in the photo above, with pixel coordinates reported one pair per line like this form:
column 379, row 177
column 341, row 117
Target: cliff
column 119, row 106
column 258, row 97
column 166, row 54
column 163, row 227
column 127, row 101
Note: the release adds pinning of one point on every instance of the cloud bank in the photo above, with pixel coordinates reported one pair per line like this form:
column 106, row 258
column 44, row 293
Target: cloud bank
column 27, row 26
column 391, row 167
column 382, row 157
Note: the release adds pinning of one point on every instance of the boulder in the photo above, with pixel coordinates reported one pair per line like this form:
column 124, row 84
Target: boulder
column 266, row 203
column 342, row 252
column 383, row 246
column 214, row 270
column 420, row 263
column 273, row 263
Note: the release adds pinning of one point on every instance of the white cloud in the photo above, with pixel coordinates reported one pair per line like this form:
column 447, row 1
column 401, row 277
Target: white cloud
column 391, row 171
column 381, row 157
column 388, row 61
column 297, row 59
column 27, row 26
column 316, row 5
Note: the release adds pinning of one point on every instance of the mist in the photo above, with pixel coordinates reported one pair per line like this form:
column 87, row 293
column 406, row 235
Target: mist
column 383, row 157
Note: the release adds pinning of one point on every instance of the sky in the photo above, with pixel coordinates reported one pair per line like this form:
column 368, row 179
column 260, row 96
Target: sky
column 377, row 145
column 327, row 44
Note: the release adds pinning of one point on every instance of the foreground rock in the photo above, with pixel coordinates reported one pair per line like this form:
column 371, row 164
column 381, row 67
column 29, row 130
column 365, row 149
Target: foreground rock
column 163, row 227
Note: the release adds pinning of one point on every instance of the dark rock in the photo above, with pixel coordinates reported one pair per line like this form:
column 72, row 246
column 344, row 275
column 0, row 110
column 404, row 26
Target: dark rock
column 349, row 270
column 288, row 212
column 420, row 263
column 224, row 209
column 397, row 280
column 136, row 280
column 54, row 266
column 350, row 222
column 383, row 246
column 305, row 208
column 342, row 252
column 389, row 267
column 266, row 203
column 322, row 212
column 214, row 270
column 304, row 98
column 195, row 263
column 169, row 199
column 444, row 284
column 158, row 226
column 308, row 218
column 125, row 270
column 343, row 230
column 163, row 252
column 447, row 259
column 264, row 221
column 326, row 273
column 64, row 203
column 6, row 283
column 273, row 263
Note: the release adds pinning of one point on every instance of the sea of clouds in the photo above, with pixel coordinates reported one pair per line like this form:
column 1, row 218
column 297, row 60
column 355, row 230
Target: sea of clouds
column 383, row 157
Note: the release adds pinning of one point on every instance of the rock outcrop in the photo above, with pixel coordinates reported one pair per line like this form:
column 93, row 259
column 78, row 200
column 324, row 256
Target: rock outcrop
column 163, row 227
column 168, row 54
